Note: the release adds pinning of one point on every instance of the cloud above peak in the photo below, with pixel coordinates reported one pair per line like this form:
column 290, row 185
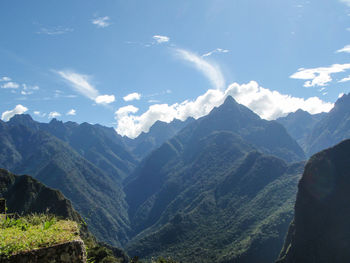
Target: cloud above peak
column 19, row 109
column 210, row 70
column 266, row 103
column 81, row 84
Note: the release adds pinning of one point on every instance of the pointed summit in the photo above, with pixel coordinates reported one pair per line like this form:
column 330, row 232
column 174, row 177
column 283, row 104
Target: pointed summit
column 23, row 119
column 230, row 100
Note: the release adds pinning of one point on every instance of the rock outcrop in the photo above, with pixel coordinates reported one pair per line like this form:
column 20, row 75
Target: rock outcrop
column 68, row 252
column 320, row 231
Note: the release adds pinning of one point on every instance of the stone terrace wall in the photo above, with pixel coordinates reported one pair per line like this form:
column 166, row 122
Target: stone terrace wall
column 69, row 252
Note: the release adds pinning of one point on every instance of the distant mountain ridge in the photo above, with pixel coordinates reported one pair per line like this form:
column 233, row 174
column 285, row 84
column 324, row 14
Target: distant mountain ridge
column 300, row 124
column 159, row 133
column 332, row 129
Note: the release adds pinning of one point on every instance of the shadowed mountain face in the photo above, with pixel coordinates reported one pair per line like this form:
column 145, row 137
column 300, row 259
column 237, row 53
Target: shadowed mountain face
column 332, row 129
column 27, row 148
column 210, row 195
column 320, row 230
column 26, row 195
column 300, row 124
column 98, row 144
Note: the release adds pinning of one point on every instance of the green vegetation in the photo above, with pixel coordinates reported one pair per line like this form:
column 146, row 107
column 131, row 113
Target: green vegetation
column 33, row 232
column 85, row 162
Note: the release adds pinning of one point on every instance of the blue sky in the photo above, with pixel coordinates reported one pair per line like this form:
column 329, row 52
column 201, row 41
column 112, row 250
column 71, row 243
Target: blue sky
column 79, row 60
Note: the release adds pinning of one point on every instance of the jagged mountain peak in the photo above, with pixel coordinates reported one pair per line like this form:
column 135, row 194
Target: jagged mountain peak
column 22, row 119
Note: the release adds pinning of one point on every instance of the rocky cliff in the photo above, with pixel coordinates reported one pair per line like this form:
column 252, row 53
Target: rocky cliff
column 320, row 231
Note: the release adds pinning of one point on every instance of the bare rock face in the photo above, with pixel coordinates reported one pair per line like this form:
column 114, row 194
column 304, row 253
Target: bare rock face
column 68, row 252
column 320, row 231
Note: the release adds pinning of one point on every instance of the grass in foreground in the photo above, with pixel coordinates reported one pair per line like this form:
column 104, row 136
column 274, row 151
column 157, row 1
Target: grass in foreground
column 34, row 231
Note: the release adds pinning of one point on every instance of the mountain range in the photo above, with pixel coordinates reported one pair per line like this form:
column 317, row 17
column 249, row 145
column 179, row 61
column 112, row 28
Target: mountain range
column 217, row 189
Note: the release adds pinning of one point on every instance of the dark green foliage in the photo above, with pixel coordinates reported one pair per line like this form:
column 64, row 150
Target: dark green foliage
column 100, row 254
column 320, row 230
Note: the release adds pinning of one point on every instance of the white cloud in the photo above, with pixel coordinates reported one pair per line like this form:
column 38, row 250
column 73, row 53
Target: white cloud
column 54, row 114
column 10, row 85
column 101, row 21
column 345, row 49
column 58, row 30
column 38, row 113
column 72, row 112
column 266, row 103
column 19, row 109
column 319, row 76
column 26, row 87
column 153, row 101
column 341, row 95
column 161, row 39
column 105, row 99
column 210, row 70
column 23, row 92
column 81, row 83
column 217, row 50
column 132, row 96
column 5, row 79
column 347, row 2
column 344, row 79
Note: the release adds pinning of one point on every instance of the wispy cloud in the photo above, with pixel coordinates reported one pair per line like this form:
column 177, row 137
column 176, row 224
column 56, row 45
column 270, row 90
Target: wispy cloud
column 319, row 76
column 19, row 109
column 209, row 70
column 52, row 31
column 161, row 39
column 71, row 112
column 81, row 84
column 39, row 114
column 347, row 2
column 345, row 49
column 5, row 79
column 101, row 22
column 132, row 96
column 266, row 103
column 344, row 79
column 54, row 114
column 217, row 50
column 10, row 85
